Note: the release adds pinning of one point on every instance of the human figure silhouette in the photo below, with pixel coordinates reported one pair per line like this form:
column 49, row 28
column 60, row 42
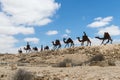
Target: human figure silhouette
column 27, row 48
column 84, row 36
column 28, row 45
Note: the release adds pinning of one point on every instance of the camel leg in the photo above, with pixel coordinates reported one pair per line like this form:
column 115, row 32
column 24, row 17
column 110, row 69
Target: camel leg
column 30, row 50
column 59, row 46
column 107, row 42
column 82, row 43
column 90, row 43
column 65, row 46
column 73, row 44
column 70, row 45
column 87, row 43
column 102, row 42
column 54, row 47
column 111, row 40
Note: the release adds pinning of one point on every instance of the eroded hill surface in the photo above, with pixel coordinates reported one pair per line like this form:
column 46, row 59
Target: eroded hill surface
column 79, row 63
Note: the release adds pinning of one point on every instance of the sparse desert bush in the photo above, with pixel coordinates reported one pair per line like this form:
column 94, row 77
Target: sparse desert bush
column 23, row 60
column 65, row 63
column 111, row 63
column 98, row 57
column 23, row 75
column 13, row 66
column 97, row 60
column 98, row 63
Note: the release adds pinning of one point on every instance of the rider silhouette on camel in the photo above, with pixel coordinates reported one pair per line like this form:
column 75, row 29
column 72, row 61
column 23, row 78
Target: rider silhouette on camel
column 28, row 45
column 84, row 36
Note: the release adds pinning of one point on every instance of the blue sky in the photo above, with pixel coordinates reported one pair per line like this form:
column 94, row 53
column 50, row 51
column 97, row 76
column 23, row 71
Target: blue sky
column 43, row 21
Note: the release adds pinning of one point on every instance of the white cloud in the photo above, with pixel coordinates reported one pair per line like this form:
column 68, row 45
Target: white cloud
column 113, row 30
column 30, row 12
column 12, row 30
column 67, row 31
column 100, row 22
column 34, row 40
column 116, row 41
column 15, row 15
column 95, row 41
column 52, row 32
column 7, row 28
column 7, row 43
column 65, row 36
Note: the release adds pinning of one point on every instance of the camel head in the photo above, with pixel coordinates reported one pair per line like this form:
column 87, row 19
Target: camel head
column 24, row 48
column 64, row 39
column 78, row 37
column 53, row 42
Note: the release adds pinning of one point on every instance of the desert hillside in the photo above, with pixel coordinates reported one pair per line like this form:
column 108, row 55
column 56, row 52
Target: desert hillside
column 78, row 63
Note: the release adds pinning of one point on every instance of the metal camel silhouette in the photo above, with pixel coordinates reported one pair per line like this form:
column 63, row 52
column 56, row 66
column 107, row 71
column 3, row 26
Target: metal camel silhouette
column 56, row 44
column 105, row 37
column 84, row 38
column 68, row 42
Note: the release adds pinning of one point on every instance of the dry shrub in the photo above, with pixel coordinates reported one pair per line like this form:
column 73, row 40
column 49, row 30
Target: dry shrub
column 23, row 60
column 23, row 75
column 111, row 63
column 97, row 60
column 13, row 66
column 65, row 63
column 98, row 57
column 99, row 63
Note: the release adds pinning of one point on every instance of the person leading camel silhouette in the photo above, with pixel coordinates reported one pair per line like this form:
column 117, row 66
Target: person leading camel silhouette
column 55, row 44
column 68, row 41
column 106, row 37
column 84, row 38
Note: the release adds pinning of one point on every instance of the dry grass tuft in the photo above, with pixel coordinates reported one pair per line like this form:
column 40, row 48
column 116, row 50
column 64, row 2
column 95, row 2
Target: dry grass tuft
column 23, row 75
column 65, row 63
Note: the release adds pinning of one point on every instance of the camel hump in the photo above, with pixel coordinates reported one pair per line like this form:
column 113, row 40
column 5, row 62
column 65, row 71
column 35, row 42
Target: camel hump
column 57, row 41
column 70, row 39
column 106, row 35
column 85, row 37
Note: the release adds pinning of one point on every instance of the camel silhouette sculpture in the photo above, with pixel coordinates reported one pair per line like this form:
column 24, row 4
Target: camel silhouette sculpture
column 56, row 44
column 27, row 48
column 20, row 50
column 35, row 49
column 84, row 38
column 105, row 37
column 46, row 48
column 68, row 42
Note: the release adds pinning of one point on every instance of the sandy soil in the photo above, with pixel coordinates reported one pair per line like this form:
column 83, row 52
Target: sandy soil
column 69, row 73
column 41, row 64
